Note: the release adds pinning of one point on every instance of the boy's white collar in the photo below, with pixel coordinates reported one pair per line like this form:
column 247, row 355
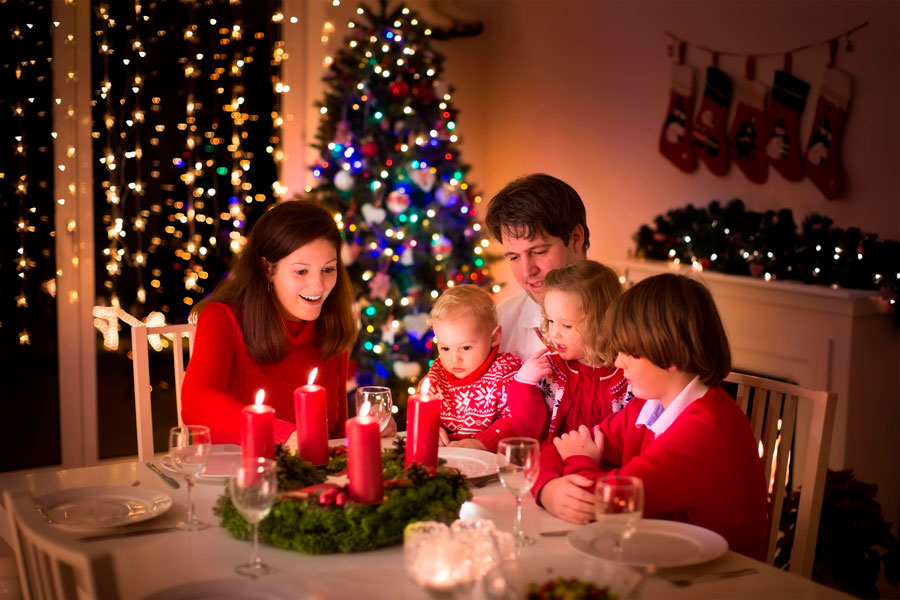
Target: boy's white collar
column 657, row 419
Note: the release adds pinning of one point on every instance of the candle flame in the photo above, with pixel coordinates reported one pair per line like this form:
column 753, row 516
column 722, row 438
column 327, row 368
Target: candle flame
column 260, row 397
column 312, row 376
column 426, row 387
column 365, row 408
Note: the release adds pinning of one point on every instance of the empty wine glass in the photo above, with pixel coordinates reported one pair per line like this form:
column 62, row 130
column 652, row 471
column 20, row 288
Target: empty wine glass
column 519, row 462
column 379, row 403
column 619, row 507
column 253, row 490
column 189, row 449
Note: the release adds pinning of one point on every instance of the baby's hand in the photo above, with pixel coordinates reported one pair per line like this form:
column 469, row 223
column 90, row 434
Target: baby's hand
column 580, row 442
column 468, row 443
column 535, row 368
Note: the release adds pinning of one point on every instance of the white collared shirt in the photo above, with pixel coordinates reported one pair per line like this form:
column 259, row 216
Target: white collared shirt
column 518, row 316
column 657, row 419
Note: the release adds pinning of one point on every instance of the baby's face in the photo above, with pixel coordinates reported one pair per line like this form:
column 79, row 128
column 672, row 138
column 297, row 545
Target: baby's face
column 463, row 342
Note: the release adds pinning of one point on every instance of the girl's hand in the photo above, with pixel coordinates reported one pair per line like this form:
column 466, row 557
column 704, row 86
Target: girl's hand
column 443, row 437
column 570, row 498
column 468, row 443
column 391, row 429
column 580, row 442
column 535, row 368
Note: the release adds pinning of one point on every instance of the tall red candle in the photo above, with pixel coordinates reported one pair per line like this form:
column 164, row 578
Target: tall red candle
column 364, row 459
column 311, row 414
column 258, row 429
column 423, row 420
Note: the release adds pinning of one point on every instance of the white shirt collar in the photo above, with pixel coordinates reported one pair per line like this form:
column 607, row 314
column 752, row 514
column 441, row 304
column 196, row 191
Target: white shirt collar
column 657, row 419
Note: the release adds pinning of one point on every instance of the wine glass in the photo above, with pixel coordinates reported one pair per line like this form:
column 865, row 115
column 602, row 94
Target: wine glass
column 253, row 490
column 519, row 462
column 189, row 449
column 619, row 507
column 379, row 403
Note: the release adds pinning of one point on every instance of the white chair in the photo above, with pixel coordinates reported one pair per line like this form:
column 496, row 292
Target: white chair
column 773, row 408
column 140, row 339
column 52, row 564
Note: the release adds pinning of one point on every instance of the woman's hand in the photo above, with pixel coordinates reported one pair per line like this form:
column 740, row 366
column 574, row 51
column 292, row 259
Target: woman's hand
column 580, row 442
column 468, row 443
column 535, row 368
column 569, row 498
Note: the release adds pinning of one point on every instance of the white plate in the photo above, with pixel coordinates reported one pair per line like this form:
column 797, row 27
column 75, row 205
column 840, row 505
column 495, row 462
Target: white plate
column 470, row 462
column 103, row 506
column 230, row 589
column 223, row 463
column 656, row 542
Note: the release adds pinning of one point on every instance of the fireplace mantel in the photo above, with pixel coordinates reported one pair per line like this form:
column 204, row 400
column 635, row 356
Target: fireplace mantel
column 821, row 338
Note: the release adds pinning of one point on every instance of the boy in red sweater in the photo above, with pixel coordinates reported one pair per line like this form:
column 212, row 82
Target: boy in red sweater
column 685, row 438
column 471, row 374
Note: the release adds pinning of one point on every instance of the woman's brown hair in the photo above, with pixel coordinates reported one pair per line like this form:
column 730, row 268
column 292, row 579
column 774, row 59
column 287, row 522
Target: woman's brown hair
column 595, row 286
column 279, row 232
column 671, row 320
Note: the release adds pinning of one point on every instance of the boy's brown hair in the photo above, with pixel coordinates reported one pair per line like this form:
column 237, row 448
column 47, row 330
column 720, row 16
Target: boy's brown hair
column 595, row 286
column 671, row 320
column 469, row 298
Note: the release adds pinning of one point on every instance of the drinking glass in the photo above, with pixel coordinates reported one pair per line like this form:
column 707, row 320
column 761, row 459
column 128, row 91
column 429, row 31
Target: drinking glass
column 379, row 402
column 519, row 462
column 253, row 490
column 619, row 507
column 189, row 449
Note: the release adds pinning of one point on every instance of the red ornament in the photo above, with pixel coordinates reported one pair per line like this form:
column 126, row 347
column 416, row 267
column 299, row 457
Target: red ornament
column 369, row 149
column 704, row 262
column 757, row 269
column 398, row 88
column 425, row 91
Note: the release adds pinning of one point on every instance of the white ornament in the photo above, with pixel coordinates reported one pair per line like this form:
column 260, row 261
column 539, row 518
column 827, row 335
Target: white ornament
column 343, row 180
column 416, row 324
column 407, row 370
column 373, row 214
column 406, row 258
column 447, row 195
column 397, row 202
column 423, row 178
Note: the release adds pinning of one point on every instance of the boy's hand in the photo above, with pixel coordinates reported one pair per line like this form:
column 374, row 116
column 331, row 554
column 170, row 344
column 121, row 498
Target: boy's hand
column 468, row 443
column 570, row 498
column 535, row 368
column 443, row 437
column 580, row 442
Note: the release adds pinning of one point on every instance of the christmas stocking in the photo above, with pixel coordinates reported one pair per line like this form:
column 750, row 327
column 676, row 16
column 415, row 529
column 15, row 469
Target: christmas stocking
column 709, row 125
column 783, row 125
column 823, row 164
column 748, row 147
column 675, row 142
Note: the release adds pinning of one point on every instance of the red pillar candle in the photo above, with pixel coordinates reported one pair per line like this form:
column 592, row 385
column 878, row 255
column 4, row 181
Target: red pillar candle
column 311, row 413
column 364, row 459
column 258, row 429
column 423, row 420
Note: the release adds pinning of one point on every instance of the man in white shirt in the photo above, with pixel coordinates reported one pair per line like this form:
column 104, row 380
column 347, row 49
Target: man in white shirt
column 541, row 222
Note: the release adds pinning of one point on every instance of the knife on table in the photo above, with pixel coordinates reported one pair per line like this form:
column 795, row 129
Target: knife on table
column 169, row 480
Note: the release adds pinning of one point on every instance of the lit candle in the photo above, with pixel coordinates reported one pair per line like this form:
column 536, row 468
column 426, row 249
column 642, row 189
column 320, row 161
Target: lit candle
column 364, row 458
column 258, row 429
column 311, row 414
column 423, row 420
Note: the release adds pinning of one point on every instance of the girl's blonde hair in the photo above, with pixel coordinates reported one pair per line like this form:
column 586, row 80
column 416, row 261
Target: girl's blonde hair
column 672, row 321
column 470, row 298
column 594, row 286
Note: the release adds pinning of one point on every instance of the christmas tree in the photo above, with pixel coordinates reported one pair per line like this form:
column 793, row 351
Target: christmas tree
column 390, row 169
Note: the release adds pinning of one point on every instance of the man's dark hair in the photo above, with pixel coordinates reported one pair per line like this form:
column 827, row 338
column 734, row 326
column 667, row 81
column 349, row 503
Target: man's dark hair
column 534, row 205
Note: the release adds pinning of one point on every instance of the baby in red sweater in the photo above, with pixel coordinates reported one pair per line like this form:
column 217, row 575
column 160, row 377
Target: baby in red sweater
column 683, row 436
column 470, row 374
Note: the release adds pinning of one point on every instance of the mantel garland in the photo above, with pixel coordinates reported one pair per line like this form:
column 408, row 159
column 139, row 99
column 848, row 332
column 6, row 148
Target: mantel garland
column 318, row 518
column 731, row 239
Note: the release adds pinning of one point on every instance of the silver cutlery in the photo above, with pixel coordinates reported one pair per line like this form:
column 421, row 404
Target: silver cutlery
column 122, row 534
column 560, row 533
column 168, row 479
column 705, row 577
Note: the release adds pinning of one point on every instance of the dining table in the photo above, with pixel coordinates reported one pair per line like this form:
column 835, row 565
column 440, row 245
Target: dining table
column 173, row 564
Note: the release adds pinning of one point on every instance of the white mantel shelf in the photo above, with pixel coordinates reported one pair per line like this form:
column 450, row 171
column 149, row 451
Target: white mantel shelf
column 820, row 337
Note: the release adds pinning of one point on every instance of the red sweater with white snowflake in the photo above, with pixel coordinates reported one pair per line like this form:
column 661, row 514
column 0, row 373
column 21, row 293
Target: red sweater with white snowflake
column 222, row 377
column 474, row 406
column 704, row 469
column 573, row 395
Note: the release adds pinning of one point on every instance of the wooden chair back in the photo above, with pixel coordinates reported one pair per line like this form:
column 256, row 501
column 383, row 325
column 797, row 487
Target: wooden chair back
column 53, row 565
column 140, row 341
column 773, row 408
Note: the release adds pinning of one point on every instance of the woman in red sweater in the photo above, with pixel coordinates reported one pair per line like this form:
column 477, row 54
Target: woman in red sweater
column 683, row 435
column 283, row 310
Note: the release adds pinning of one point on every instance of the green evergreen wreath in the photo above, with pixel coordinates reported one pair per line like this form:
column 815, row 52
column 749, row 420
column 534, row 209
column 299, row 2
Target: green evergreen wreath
column 321, row 520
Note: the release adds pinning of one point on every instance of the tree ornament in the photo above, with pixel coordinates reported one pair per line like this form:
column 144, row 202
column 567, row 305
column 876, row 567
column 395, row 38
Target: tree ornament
column 372, row 214
column 407, row 370
column 397, row 202
column 423, row 178
column 343, row 180
column 349, row 253
column 369, row 149
column 447, row 195
column 416, row 324
column 441, row 246
column 342, row 133
column 379, row 286
column 675, row 140
column 406, row 257
column 823, row 160
column 398, row 88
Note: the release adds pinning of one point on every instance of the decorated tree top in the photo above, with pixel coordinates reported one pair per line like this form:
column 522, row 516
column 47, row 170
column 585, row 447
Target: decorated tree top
column 390, row 168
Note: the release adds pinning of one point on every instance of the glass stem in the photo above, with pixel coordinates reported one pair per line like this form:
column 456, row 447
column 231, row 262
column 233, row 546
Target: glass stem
column 254, row 548
column 191, row 517
column 518, row 529
column 619, row 549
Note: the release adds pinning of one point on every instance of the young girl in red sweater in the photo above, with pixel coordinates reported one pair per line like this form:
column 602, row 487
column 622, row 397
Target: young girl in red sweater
column 283, row 310
column 683, row 435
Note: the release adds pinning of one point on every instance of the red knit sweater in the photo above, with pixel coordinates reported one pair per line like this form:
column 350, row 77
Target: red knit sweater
column 704, row 469
column 474, row 406
column 222, row 377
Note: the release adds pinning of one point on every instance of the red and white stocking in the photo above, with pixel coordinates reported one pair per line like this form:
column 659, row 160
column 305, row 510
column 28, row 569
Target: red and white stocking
column 709, row 125
column 783, row 125
column 823, row 163
column 675, row 140
column 745, row 138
